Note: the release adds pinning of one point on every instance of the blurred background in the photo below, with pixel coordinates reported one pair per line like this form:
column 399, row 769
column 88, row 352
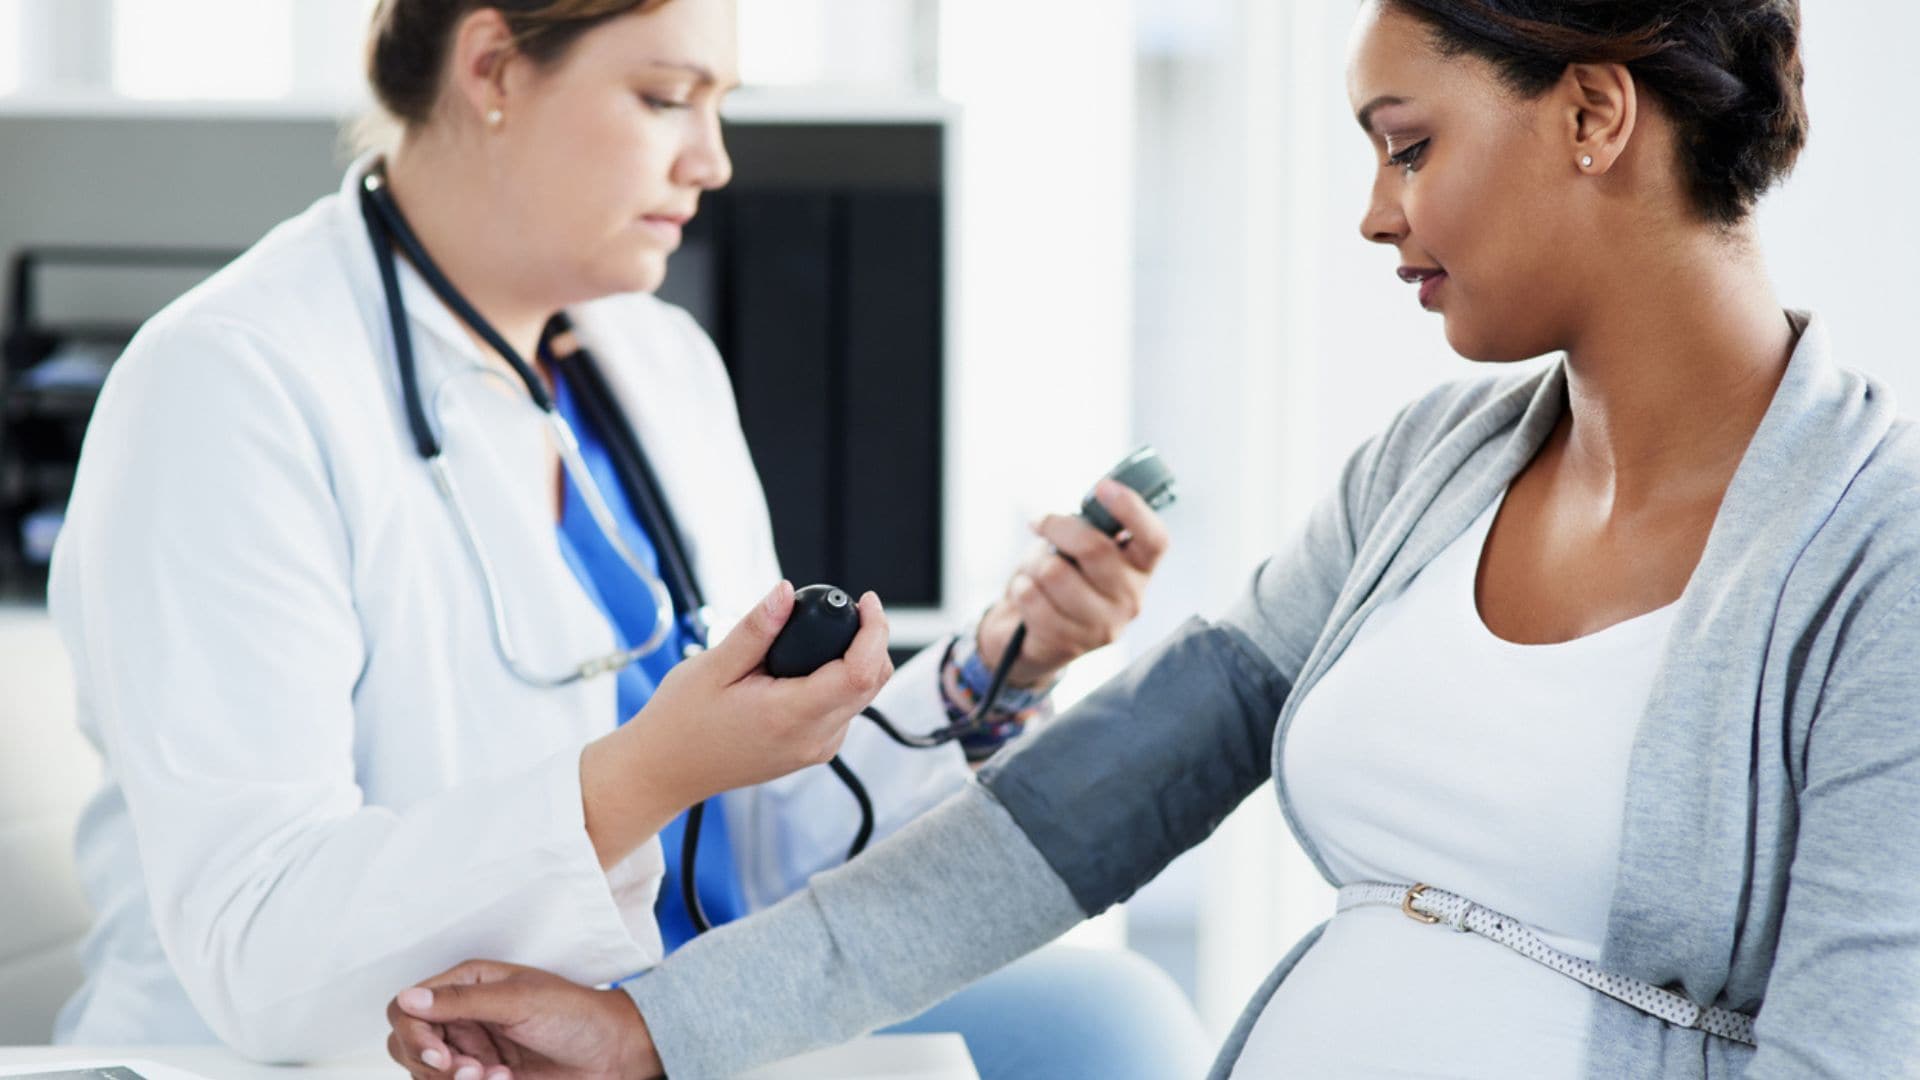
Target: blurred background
column 1057, row 229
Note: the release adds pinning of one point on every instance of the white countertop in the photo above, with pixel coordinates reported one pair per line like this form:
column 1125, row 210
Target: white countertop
column 880, row 1057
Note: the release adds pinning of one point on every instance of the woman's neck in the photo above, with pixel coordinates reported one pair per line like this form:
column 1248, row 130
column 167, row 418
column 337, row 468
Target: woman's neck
column 445, row 202
column 1672, row 374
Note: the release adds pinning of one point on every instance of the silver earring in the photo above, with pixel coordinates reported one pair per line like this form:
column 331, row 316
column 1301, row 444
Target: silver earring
column 1585, row 162
column 495, row 118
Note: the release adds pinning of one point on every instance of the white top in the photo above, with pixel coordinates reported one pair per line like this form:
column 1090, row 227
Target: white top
column 321, row 782
column 1436, row 752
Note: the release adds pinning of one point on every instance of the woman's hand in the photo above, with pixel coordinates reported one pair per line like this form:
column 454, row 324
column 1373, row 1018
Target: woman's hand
column 718, row 721
column 1080, row 591
column 489, row 1021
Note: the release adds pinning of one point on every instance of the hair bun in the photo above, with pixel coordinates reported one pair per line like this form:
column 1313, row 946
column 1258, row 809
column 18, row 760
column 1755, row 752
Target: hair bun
column 408, row 41
column 1727, row 71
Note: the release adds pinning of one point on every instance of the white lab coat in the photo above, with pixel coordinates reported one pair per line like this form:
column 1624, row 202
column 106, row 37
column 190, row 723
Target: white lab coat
column 322, row 784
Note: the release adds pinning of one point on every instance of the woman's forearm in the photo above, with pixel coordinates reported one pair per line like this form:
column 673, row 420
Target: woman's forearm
column 950, row 898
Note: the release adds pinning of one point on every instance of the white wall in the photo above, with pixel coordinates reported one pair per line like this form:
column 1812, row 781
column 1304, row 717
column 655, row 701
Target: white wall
column 1042, row 203
column 1043, row 281
column 1841, row 235
column 9, row 45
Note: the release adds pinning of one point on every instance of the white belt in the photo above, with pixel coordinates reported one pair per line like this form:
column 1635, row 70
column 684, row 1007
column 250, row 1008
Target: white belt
column 1424, row 904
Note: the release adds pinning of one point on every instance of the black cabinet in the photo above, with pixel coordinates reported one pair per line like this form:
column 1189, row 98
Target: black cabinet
column 820, row 273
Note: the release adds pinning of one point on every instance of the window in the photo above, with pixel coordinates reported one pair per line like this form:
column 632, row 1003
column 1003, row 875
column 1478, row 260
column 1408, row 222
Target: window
column 311, row 50
column 229, row 49
column 869, row 44
column 9, row 46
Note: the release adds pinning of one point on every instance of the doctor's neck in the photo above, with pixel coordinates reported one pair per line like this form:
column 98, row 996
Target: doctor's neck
column 446, row 200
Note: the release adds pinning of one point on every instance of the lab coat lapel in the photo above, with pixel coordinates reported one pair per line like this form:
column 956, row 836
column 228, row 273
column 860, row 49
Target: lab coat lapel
column 496, row 444
column 673, row 391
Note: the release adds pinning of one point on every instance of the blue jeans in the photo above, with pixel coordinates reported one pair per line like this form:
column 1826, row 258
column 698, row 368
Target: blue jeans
column 1065, row 1013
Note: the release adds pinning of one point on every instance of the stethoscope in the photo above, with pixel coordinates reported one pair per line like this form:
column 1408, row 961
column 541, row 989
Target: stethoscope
column 674, row 590
column 675, row 594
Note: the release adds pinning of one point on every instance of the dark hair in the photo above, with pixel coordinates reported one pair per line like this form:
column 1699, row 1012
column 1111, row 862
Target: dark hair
column 408, row 41
column 1727, row 72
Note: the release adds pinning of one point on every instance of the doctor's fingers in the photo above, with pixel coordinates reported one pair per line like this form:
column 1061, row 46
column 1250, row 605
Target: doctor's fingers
column 857, row 676
column 1064, row 594
column 1144, row 535
column 869, row 665
column 813, row 712
column 744, row 648
column 1054, row 638
column 1077, row 548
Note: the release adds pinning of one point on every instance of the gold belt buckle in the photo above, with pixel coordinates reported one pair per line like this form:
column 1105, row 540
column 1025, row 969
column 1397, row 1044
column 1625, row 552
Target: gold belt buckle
column 1406, row 907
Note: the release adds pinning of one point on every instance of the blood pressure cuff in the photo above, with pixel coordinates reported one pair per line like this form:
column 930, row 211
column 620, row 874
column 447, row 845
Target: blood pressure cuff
column 1148, row 765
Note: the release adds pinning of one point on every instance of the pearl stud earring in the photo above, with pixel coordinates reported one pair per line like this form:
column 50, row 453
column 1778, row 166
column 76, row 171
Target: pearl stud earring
column 1585, row 162
column 495, row 118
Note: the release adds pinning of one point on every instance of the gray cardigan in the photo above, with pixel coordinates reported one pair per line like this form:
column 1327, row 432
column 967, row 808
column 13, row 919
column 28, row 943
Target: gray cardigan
column 1771, row 851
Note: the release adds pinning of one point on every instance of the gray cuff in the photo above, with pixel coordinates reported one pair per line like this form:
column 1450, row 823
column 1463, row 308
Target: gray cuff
column 950, row 898
column 1148, row 765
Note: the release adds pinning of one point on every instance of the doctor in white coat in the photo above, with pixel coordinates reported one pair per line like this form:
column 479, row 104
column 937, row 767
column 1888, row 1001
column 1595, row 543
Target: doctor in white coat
column 323, row 778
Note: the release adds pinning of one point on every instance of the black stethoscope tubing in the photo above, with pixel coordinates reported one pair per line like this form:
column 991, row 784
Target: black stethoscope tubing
column 388, row 228
column 636, row 476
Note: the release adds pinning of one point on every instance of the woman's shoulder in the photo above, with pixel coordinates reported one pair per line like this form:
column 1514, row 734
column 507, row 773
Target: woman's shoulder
column 286, row 312
column 279, row 330
column 1882, row 500
column 1860, row 572
column 1498, row 399
column 1466, row 413
column 287, row 293
column 1879, row 515
column 1896, row 461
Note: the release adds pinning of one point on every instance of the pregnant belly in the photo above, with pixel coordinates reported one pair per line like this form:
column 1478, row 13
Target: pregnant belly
column 1380, row 995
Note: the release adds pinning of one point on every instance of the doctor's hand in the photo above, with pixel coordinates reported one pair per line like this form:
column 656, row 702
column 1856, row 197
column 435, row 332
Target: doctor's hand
column 490, row 1021
column 1079, row 591
column 718, row 721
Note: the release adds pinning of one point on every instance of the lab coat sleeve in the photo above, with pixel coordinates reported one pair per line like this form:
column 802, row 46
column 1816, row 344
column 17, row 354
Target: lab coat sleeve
column 213, row 624
column 803, row 823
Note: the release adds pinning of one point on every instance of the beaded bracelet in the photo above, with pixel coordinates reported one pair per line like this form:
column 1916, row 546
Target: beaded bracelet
column 964, row 679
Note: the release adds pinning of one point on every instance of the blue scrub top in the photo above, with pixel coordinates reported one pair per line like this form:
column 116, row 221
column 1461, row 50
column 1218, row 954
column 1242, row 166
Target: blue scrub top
column 629, row 606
